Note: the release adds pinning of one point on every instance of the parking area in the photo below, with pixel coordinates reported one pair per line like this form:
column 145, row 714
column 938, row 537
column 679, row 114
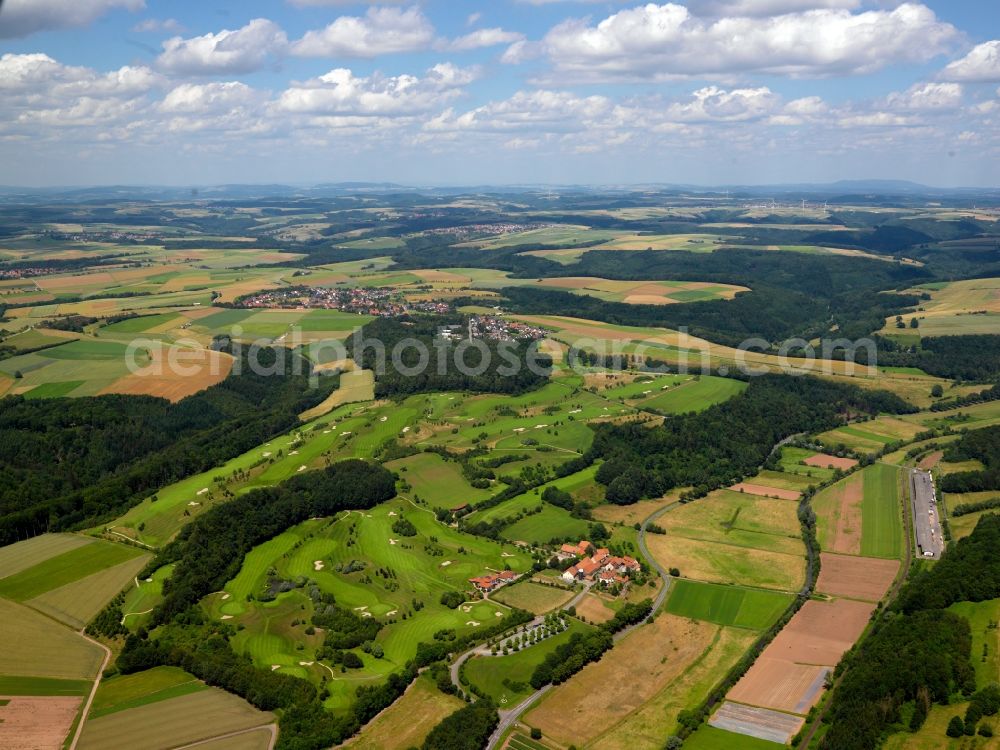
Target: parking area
column 926, row 518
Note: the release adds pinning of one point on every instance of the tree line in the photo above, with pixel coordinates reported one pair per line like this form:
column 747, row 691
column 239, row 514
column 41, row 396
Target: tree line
column 918, row 653
column 981, row 445
column 726, row 442
column 67, row 463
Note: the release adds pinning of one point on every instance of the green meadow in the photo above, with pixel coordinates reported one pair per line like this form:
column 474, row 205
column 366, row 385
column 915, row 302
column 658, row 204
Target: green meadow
column 881, row 520
column 726, row 605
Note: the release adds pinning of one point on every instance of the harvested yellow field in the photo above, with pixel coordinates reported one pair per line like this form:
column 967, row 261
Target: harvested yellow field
column 605, row 692
column 199, row 369
column 357, row 385
column 407, row 722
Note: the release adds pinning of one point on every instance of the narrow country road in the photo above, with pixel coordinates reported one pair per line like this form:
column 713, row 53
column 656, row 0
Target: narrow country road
column 93, row 691
column 482, row 650
column 510, row 717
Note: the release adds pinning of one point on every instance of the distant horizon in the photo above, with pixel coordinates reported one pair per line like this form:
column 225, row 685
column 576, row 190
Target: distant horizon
column 848, row 183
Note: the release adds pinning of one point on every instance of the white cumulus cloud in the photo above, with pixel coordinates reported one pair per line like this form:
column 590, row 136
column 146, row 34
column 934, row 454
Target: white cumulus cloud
column 926, row 97
column 666, row 41
column 982, row 64
column 241, row 50
column 341, row 92
column 380, row 31
column 763, row 7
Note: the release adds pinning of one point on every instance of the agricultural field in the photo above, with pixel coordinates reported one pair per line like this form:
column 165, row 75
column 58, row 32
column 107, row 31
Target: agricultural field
column 36, row 722
column 881, row 514
column 66, row 568
column 719, row 562
column 735, row 519
column 17, row 557
column 174, row 722
column 710, row 738
column 861, row 514
column 45, row 649
column 406, row 722
column 789, row 675
column 957, row 308
column 850, row 576
column 123, row 692
column 734, row 606
column 630, row 698
column 534, row 597
column 871, row 436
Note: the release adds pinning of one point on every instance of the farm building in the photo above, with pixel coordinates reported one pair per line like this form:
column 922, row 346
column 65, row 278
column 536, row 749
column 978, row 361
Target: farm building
column 493, row 581
column 568, row 551
column 602, row 567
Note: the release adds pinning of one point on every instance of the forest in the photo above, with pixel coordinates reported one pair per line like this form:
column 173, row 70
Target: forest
column 982, row 445
column 918, row 653
column 67, row 463
column 974, row 358
column 686, row 450
column 505, row 369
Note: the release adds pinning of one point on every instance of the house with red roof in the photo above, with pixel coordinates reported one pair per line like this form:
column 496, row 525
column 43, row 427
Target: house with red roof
column 493, row 581
column 600, row 566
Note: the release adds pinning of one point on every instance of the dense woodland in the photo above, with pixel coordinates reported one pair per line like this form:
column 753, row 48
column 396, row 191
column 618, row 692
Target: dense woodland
column 74, row 462
column 975, row 358
column 209, row 551
column 919, row 653
column 689, row 450
column 982, row 445
column 505, row 369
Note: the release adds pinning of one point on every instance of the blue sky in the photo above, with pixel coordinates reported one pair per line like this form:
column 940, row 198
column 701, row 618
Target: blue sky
column 508, row 91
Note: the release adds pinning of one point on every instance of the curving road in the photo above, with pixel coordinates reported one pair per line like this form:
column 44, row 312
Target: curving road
column 510, row 717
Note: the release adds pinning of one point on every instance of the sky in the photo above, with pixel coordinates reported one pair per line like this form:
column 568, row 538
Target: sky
column 477, row 92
